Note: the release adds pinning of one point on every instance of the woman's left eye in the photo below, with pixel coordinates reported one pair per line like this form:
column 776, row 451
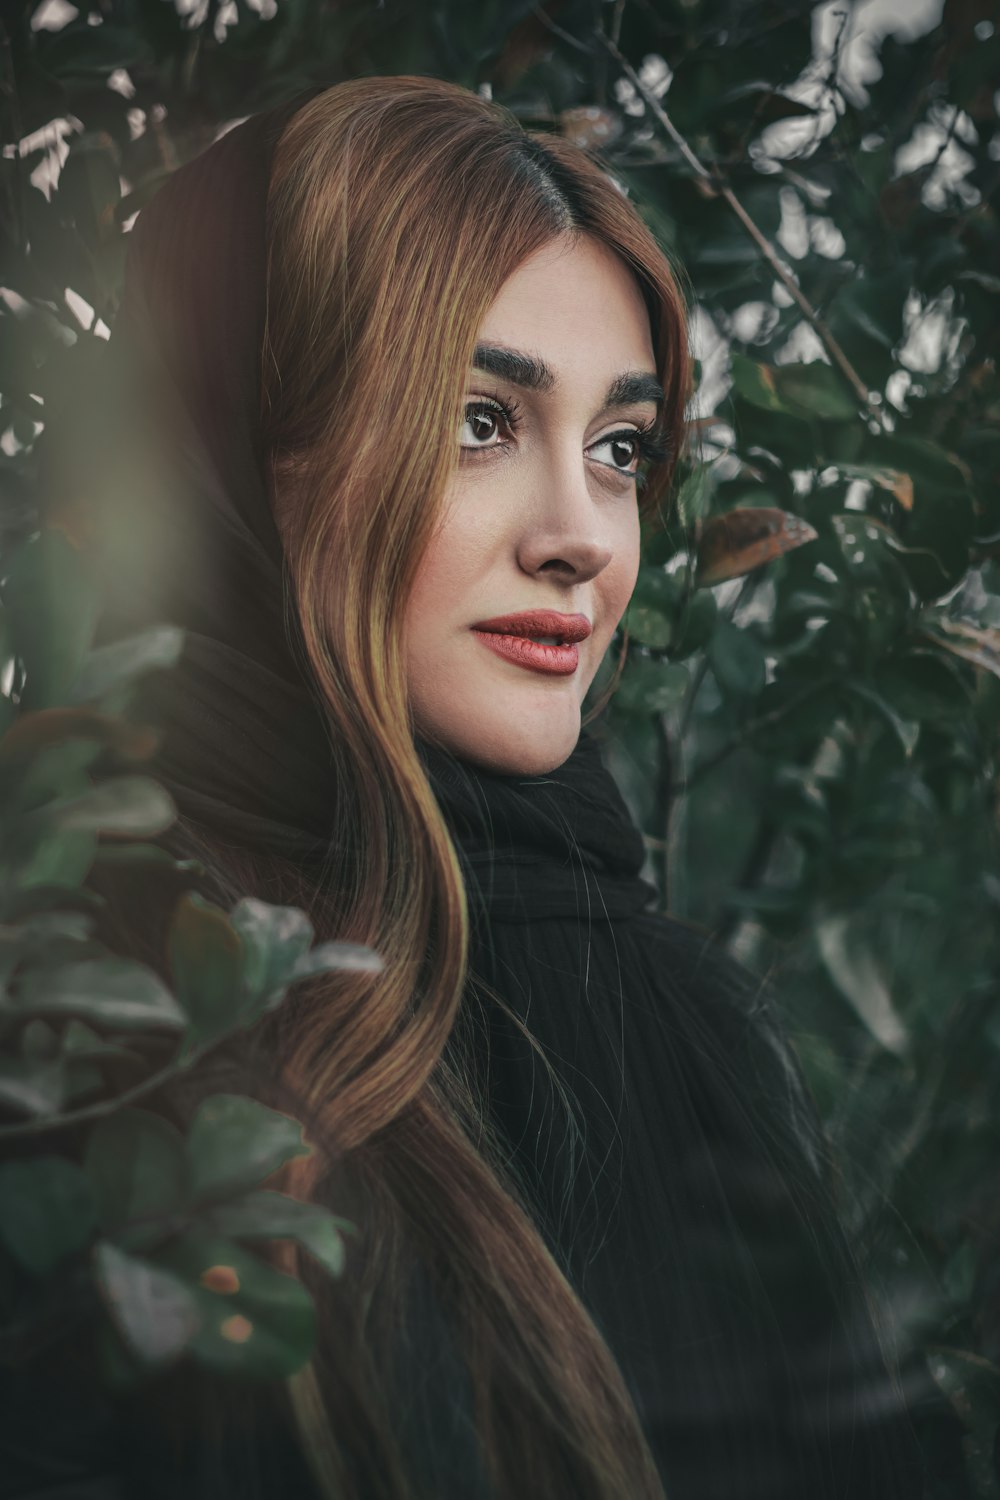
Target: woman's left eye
column 628, row 440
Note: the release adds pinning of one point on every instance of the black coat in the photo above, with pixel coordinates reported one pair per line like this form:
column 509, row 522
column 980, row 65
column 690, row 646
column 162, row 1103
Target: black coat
column 674, row 1163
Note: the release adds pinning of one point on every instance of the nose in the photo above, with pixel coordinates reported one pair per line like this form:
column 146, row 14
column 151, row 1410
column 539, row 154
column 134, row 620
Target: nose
column 563, row 532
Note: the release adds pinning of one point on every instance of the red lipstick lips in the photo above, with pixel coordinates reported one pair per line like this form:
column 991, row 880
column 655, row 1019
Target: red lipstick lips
column 515, row 637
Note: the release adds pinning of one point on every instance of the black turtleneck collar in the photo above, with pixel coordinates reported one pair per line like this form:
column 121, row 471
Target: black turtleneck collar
column 558, row 844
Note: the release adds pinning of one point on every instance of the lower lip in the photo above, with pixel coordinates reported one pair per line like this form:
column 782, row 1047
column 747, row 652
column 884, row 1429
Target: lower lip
column 560, row 661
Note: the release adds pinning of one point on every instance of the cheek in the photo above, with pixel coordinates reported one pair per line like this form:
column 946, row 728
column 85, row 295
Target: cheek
column 447, row 578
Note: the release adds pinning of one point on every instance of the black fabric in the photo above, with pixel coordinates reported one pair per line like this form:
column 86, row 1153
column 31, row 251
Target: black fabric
column 244, row 747
column 663, row 1136
column 670, row 1150
column 559, row 845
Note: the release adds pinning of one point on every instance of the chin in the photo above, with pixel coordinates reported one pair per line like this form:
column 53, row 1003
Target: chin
column 511, row 750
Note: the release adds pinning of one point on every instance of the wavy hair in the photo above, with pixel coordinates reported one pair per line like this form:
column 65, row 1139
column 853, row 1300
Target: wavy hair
column 397, row 208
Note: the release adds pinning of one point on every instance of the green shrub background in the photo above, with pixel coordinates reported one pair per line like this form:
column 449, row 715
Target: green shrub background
column 806, row 726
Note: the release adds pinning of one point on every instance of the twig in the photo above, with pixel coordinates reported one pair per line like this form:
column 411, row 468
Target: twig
column 98, row 1110
column 547, row 21
column 760, row 239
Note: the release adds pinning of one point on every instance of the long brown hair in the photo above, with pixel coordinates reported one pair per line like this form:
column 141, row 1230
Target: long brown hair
column 398, row 207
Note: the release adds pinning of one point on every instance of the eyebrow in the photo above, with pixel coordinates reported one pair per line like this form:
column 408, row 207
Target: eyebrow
column 534, row 374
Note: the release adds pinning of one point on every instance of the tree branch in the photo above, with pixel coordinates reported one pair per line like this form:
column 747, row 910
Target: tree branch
column 781, row 271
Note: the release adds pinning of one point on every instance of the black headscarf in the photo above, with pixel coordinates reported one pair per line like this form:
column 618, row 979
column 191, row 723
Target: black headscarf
column 244, row 749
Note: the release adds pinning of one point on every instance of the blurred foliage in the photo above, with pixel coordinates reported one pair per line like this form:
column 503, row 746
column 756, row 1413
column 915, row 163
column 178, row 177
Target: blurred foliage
column 108, row 1206
column 806, row 726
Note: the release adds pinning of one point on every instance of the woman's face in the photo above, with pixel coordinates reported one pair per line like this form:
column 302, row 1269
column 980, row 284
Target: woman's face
column 542, row 513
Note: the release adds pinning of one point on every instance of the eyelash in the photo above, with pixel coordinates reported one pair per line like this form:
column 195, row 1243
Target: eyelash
column 649, row 447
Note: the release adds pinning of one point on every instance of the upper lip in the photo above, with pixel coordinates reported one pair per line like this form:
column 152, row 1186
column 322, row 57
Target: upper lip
column 532, row 622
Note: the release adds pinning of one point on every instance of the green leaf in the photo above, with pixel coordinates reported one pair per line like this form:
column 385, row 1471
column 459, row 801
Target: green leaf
column 797, row 801
column 873, row 554
column 51, row 604
column 768, row 103
column 894, row 481
column 121, row 804
column 89, row 189
column 46, row 1211
column 919, row 686
column 274, row 939
column 874, row 305
column 755, row 383
column 137, row 1168
column 276, row 953
column 110, row 667
column 155, row 1311
column 81, row 54
column 39, row 1040
column 815, row 389
column 254, row 1320
column 852, row 966
column 651, row 687
column 36, row 937
column 803, row 390
column 234, row 1143
column 357, row 958
column 61, row 857
column 80, row 1043
column 107, row 991
column 971, row 1382
column 54, row 775
column 649, row 627
column 906, row 730
column 696, row 623
column 656, row 589
column 274, row 1216
column 937, row 472
column 938, row 537
column 206, row 962
column 48, row 750
column 737, row 659
column 695, row 495
column 32, row 1087
column 82, row 1078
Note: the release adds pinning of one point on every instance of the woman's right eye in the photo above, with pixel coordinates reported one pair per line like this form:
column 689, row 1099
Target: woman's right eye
column 483, row 418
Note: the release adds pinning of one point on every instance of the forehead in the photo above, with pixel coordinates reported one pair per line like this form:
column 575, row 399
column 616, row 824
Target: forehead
column 577, row 306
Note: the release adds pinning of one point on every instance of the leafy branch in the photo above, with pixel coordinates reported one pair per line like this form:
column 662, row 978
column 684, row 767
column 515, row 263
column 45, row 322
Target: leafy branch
column 149, row 1221
column 716, row 185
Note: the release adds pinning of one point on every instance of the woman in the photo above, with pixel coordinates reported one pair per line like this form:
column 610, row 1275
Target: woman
column 598, row 1256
